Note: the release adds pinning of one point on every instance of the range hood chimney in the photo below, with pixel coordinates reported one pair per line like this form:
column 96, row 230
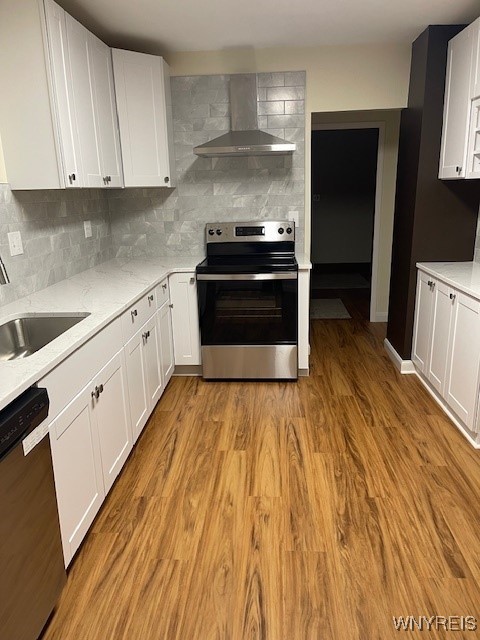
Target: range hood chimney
column 245, row 138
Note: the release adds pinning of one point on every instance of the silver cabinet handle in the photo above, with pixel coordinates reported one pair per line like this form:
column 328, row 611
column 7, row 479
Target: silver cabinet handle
column 146, row 335
column 192, row 280
column 164, row 287
column 150, row 298
column 171, row 305
column 134, row 314
column 72, row 177
column 429, row 282
column 452, row 296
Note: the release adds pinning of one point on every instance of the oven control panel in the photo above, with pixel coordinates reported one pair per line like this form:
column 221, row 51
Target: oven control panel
column 265, row 231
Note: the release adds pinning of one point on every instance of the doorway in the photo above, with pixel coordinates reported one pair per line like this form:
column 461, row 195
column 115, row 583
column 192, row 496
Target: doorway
column 346, row 162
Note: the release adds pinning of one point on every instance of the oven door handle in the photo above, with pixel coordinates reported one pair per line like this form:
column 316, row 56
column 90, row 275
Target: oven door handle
column 280, row 275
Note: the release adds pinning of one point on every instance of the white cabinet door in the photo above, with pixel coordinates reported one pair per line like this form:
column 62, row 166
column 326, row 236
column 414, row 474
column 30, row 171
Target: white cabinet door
column 464, row 358
column 101, row 71
column 137, row 383
column 79, row 45
column 77, row 467
column 164, row 317
column 475, row 78
column 151, row 346
column 58, row 48
column 423, row 321
column 456, row 111
column 186, row 334
column 112, row 418
column 142, row 116
column 440, row 332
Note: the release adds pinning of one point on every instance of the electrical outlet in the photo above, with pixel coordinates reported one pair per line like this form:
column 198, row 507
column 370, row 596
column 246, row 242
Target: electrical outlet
column 15, row 243
column 87, row 225
column 293, row 217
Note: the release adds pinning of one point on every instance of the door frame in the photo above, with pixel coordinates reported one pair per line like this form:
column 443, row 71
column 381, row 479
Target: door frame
column 374, row 316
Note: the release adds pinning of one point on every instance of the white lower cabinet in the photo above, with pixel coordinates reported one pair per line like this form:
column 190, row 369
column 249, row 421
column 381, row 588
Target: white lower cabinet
column 91, row 439
column 464, row 358
column 112, row 419
column 144, row 370
column 440, row 330
column 446, row 345
column 164, row 319
column 186, row 334
column 423, row 316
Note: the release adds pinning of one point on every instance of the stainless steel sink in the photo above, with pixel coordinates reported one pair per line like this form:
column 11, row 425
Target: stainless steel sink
column 23, row 336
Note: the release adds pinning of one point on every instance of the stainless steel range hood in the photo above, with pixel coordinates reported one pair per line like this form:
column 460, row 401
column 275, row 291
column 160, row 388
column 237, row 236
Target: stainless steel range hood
column 245, row 138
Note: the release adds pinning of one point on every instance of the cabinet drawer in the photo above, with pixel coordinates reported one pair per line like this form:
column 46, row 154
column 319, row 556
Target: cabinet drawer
column 136, row 315
column 71, row 375
column 163, row 293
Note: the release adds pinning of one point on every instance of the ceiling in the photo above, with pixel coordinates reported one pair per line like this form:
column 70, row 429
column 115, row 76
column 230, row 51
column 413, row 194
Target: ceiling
column 187, row 25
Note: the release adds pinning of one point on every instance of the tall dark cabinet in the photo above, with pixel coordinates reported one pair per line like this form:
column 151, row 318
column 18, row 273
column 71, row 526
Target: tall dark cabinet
column 435, row 220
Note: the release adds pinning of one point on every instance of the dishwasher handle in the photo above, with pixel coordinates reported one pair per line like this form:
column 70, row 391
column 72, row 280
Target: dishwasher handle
column 21, row 417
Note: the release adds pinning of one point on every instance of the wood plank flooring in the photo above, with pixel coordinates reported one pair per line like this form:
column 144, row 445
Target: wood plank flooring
column 314, row 510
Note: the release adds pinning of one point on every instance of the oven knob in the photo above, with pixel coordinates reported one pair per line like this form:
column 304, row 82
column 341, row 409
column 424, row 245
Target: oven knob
column 289, row 229
column 219, row 232
column 211, row 232
column 281, row 230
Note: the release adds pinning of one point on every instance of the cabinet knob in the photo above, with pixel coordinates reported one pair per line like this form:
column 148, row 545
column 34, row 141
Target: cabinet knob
column 97, row 391
column 150, row 298
column 167, row 179
column 429, row 282
column 164, row 287
column 146, row 335
column 171, row 305
column 72, row 177
column 134, row 314
column 452, row 296
column 192, row 280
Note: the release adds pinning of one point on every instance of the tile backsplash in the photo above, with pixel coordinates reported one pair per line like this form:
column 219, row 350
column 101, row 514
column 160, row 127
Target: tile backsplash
column 51, row 225
column 136, row 222
column 172, row 221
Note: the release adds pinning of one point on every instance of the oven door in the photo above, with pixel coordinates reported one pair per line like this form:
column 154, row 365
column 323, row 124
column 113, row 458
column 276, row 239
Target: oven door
column 248, row 324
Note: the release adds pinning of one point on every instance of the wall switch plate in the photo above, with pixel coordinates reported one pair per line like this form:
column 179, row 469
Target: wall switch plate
column 293, row 217
column 15, row 243
column 87, row 225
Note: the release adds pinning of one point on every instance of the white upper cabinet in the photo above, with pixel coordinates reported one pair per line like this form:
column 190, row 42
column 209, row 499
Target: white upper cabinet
column 456, row 110
column 58, row 119
column 142, row 86
column 100, row 58
column 475, row 78
column 62, row 79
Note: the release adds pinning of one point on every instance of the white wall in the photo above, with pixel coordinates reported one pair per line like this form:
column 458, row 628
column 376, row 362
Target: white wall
column 3, row 172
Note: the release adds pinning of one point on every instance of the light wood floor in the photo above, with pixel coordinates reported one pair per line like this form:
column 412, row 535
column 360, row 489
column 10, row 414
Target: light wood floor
column 314, row 510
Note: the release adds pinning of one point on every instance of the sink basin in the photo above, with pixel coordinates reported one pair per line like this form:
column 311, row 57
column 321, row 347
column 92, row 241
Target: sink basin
column 23, row 336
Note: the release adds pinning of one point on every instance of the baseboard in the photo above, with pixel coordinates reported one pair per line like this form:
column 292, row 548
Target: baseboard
column 188, row 370
column 446, row 409
column 404, row 366
column 303, row 373
column 380, row 316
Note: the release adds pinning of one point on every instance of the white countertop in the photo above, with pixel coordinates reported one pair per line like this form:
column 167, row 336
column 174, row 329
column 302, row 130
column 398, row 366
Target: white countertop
column 464, row 276
column 105, row 292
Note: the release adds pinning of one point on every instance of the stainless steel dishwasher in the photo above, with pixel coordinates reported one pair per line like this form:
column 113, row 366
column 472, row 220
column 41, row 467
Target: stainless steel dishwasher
column 32, row 572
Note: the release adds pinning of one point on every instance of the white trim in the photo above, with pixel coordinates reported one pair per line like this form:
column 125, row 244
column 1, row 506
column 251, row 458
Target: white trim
column 380, row 316
column 444, row 406
column 404, row 366
column 378, row 202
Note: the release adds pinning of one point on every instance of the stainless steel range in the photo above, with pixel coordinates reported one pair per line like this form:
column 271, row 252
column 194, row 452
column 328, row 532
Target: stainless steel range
column 248, row 301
